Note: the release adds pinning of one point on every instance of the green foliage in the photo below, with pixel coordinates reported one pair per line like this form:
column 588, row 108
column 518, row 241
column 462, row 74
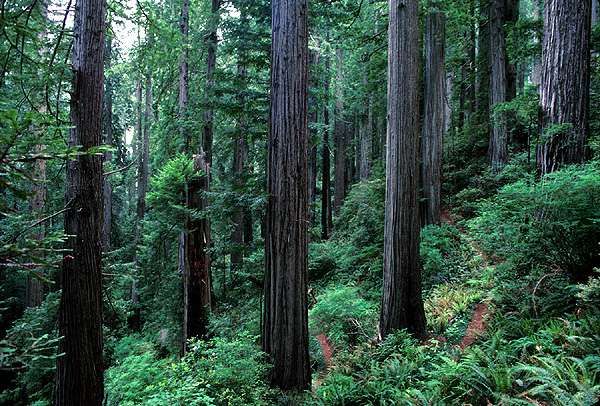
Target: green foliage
column 552, row 222
column 353, row 253
column 30, row 349
column 215, row 372
column 361, row 217
column 553, row 369
column 446, row 303
column 444, row 255
column 563, row 381
column 167, row 188
column 343, row 316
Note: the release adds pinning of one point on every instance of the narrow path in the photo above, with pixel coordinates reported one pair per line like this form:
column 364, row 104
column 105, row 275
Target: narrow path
column 478, row 323
column 476, row 326
column 326, row 349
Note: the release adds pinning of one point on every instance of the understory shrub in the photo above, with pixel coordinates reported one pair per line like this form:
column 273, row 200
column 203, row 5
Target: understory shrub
column 29, row 349
column 343, row 316
column 215, row 372
column 552, row 223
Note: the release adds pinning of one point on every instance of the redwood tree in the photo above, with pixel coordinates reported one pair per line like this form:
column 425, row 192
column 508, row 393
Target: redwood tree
column 402, row 305
column 434, row 116
column 79, row 373
column 194, row 261
column 240, row 153
column 564, row 91
column 285, row 317
column 326, row 164
column 339, row 137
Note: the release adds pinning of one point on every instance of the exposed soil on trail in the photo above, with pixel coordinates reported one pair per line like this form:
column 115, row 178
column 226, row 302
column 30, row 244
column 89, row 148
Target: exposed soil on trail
column 326, row 348
column 476, row 327
column 446, row 217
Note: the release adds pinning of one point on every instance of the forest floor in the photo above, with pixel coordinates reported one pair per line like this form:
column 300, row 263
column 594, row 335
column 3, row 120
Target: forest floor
column 476, row 326
column 326, row 348
column 475, row 329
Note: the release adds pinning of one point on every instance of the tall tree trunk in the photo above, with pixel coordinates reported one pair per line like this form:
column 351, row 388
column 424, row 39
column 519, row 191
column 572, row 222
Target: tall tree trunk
column 135, row 319
column 595, row 19
column 498, row 145
column 285, row 317
column 34, row 288
column 80, row 371
column 326, row 219
column 340, row 135
column 240, row 151
column 197, row 294
column 137, row 135
column 511, row 15
column 108, row 140
column 471, row 94
column 402, row 305
column 211, row 61
column 365, row 134
column 184, row 28
column 195, row 266
column 143, row 162
column 483, row 67
column 434, row 116
column 564, row 92
column 313, row 119
column 536, row 69
column 351, row 151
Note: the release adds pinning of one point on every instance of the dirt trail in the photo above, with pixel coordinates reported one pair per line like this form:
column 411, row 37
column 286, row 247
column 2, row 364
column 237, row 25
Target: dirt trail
column 476, row 326
column 475, row 329
column 478, row 323
column 326, row 348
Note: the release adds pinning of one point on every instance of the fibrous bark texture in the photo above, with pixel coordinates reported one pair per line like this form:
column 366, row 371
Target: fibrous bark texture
column 402, row 306
column 194, row 257
column 564, row 92
column 498, row 145
column 108, row 140
column 211, row 62
column 365, row 134
column 339, row 134
column 326, row 164
column 79, row 374
column 197, row 278
column 434, row 117
column 313, row 118
column 240, row 152
column 285, row 317
column 34, row 290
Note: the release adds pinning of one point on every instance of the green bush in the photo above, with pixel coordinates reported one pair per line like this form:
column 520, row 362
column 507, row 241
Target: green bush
column 215, row 372
column 361, row 217
column 354, row 251
column 343, row 316
column 553, row 223
column 444, row 255
column 30, row 347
